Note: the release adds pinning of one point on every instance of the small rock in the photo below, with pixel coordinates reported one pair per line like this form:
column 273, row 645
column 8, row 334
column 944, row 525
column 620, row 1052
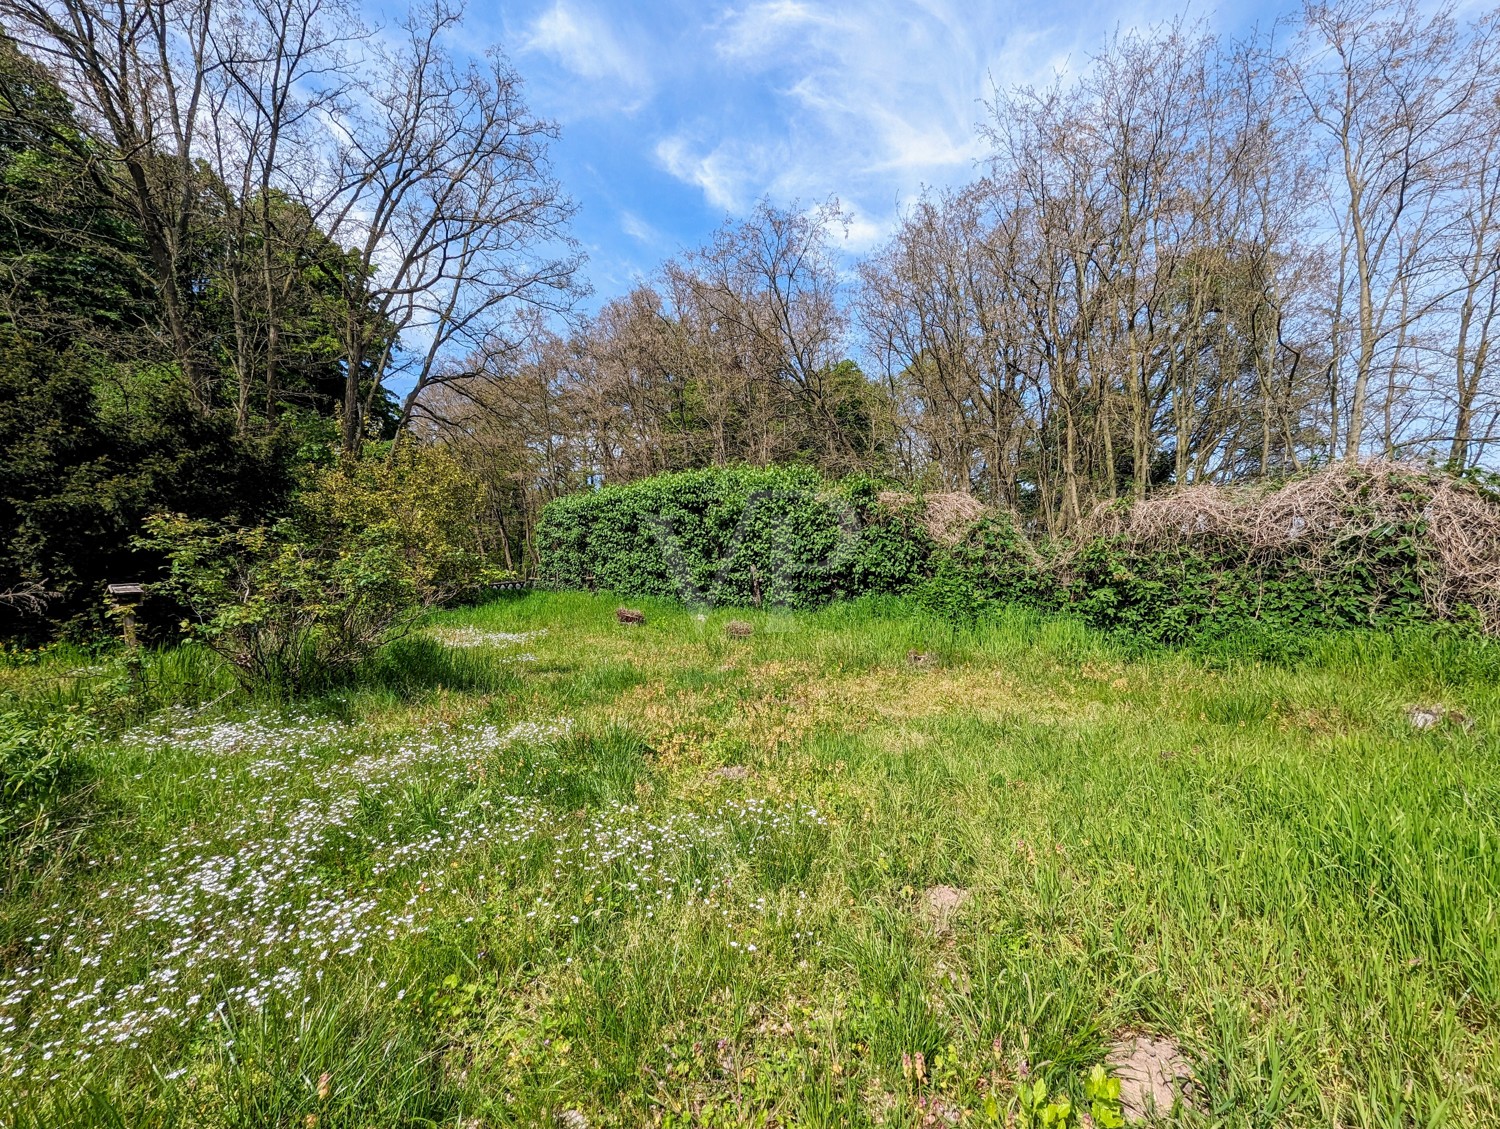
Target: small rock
column 1430, row 717
column 1153, row 1075
column 732, row 772
column 1425, row 717
column 572, row 1119
column 940, row 903
column 630, row 615
column 738, row 629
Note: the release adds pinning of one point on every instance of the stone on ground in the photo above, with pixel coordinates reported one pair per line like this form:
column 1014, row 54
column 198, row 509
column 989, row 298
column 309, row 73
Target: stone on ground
column 1153, row 1074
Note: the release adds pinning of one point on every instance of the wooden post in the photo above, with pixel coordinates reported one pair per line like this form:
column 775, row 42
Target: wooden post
column 125, row 597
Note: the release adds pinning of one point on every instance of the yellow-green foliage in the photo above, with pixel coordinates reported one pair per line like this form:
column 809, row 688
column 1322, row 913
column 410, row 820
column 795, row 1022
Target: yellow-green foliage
column 369, row 547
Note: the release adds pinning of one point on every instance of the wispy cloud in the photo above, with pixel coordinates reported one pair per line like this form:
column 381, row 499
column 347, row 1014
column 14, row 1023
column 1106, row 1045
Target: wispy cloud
column 731, row 173
column 869, row 100
column 585, row 44
column 638, row 229
column 760, row 28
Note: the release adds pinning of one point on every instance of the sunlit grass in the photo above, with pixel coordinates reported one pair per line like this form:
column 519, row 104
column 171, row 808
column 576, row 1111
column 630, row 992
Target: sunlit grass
column 534, row 861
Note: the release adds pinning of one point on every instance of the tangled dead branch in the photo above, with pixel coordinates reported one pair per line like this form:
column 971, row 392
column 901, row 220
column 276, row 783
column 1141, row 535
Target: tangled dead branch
column 946, row 517
column 28, row 599
column 1454, row 526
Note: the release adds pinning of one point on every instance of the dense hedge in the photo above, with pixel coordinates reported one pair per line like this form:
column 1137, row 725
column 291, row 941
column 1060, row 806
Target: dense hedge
column 1185, row 594
column 1180, row 594
column 783, row 536
column 741, row 535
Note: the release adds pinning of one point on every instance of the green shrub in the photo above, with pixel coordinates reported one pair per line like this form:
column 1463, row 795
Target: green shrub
column 82, row 463
column 1187, row 594
column 784, row 536
column 1002, row 566
column 368, row 549
column 949, row 593
column 735, row 535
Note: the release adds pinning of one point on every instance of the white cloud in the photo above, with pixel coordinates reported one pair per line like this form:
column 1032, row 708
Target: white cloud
column 638, row 229
column 732, row 174
column 583, row 43
column 869, row 100
column 799, row 100
column 862, row 232
column 760, row 28
column 866, row 99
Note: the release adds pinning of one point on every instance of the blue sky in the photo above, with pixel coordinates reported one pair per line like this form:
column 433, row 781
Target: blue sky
column 675, row 113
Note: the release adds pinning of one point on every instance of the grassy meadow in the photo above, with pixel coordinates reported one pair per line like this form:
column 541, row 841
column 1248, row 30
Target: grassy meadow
column 541, row 868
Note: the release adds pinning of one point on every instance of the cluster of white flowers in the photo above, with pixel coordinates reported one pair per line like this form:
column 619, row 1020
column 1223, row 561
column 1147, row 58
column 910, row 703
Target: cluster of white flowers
column 685, row 854
column 286, row 745
column 178, row 728
column 248, row 913
column 474, row 637
column 320, row 861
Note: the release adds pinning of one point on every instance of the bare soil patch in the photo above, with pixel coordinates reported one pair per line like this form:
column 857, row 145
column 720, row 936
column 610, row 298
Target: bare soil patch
column 1153, row 1074
column 940, row 904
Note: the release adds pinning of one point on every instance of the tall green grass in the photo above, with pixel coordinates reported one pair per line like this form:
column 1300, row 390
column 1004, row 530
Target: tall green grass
column 1252, row 854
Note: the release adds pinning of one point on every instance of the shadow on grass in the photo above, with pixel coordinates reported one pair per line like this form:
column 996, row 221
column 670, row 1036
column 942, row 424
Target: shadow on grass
column 417, row 664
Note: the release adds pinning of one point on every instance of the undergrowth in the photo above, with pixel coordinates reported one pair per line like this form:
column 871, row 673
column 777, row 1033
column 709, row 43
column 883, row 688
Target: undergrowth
column 1380, row 545
column 534, row 866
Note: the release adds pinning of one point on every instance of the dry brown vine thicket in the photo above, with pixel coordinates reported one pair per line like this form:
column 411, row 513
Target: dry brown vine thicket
column 1455, row 524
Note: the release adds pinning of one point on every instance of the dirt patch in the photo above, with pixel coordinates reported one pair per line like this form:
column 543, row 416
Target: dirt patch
column 1153, row 1075
column 919, row 693
column 1425, row 717
column 732, row 772
column 940, row 904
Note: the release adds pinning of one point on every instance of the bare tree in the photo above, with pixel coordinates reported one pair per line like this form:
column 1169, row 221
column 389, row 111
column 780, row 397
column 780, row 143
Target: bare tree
column 282, row 69
column 939, row 309
column 453, row 216
column 137, row 71
column 1389, row 93
column 767, row 292
column 1477, row 263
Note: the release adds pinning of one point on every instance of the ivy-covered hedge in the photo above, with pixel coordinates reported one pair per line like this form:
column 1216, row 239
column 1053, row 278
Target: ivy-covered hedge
column 1188, row 595
column 780, row 536
column 785, row 537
